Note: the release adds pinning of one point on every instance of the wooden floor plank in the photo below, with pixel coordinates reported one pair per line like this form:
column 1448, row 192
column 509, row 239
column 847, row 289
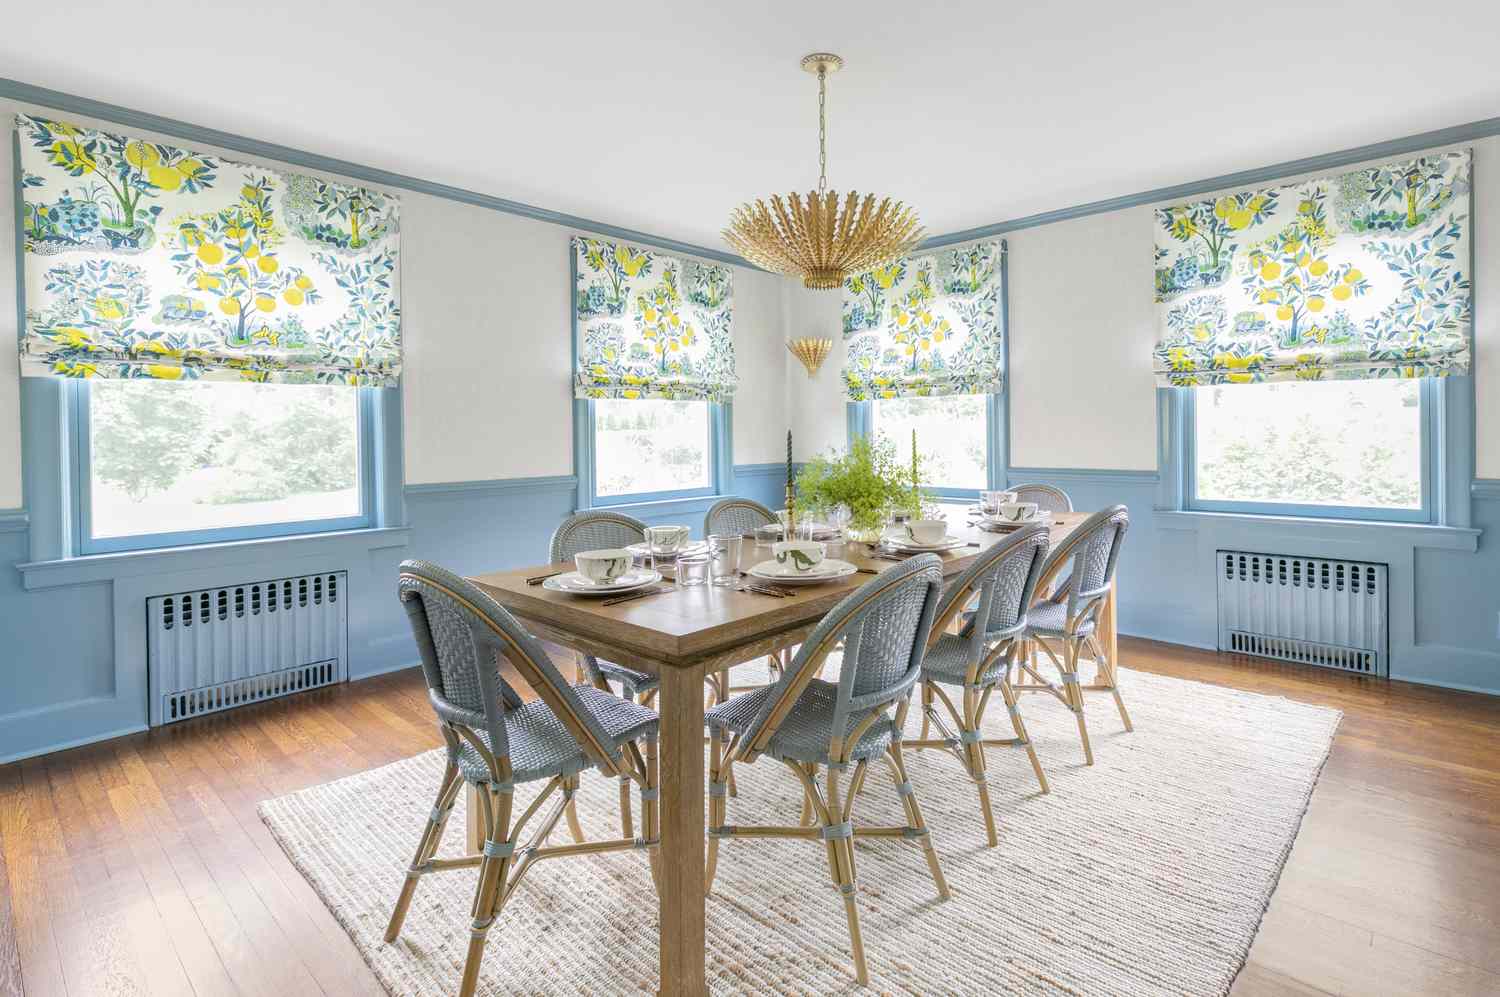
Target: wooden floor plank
column 147, row 854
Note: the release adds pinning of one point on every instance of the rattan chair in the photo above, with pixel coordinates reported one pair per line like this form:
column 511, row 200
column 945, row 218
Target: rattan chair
column 977, row 659
column 1046, row 497
column 806, row 723
column 496, row 741
column 598, row 530
column 1064, row 624
column 738, row 517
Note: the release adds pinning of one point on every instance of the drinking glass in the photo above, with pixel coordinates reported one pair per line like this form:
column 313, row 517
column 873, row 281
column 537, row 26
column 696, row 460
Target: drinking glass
column 643, row 558
column 724, row 553
column 692, row 569
column 766, row 535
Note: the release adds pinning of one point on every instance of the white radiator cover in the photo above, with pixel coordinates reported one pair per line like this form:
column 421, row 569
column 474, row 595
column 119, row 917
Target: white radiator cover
column 1313, row 610
column 214, row 649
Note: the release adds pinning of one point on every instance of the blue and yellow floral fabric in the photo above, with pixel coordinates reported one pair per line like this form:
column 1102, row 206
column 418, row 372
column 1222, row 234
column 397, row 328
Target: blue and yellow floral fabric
column 144, row 260
column 925, row 325
column 651, row 325
column 1361, row 275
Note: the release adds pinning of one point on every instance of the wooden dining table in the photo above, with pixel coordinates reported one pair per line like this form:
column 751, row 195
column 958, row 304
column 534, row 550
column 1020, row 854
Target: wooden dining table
column 681, row 636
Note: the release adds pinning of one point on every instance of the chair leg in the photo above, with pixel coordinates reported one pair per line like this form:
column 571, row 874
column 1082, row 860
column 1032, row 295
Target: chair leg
column 651, row 812
column 914, row 816
column 1019, row 726
column 927, row 701
column 807, row 804
column 489, row 897
column 1075, row 697
column 627, row 825
column 427, row 846
column 716, row 803
column 1107, row 669
column 570, row 788
column 840, row 858
column 974, row 761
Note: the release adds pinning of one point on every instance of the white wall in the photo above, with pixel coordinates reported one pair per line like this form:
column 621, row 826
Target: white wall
column 487, row 381
column 1082, row 326
column 816, row 408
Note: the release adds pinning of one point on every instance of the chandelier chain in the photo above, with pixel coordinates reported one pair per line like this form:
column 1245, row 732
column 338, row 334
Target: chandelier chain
column 822, row 129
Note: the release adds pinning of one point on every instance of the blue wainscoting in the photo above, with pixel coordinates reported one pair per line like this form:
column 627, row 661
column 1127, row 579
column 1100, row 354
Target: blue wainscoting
column 1443, row 581
column 73, row 669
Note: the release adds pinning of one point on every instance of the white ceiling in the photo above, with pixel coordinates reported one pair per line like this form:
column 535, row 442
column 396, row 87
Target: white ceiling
column 663, row 116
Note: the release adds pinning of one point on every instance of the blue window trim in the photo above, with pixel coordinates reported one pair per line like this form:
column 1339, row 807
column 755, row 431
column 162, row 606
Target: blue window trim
column 720, row 420
column 1447, row 459
column 79, row 487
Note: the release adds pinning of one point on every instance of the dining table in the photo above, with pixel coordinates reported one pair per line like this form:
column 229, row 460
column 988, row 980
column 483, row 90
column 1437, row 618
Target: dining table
column 683, row 635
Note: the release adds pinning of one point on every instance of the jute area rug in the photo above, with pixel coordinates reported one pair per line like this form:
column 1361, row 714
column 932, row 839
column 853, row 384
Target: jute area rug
column 1146, row 873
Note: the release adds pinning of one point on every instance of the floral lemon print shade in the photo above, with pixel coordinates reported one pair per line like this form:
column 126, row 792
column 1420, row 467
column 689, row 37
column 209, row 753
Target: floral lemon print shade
column 925, row 325
column 1365, row 274
column 651, row 325
column 144, row 260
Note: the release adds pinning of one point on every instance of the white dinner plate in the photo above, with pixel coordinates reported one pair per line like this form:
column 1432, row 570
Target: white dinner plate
column 827, row 570
column 994, row 524
column 950, row 543
column 574, row 583
column 641, row 549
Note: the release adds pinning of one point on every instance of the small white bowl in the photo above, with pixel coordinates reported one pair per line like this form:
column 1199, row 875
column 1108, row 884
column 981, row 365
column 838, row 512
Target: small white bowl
column 928, row 532
column 602, row 566
column 804, row 555
column 1018, row 512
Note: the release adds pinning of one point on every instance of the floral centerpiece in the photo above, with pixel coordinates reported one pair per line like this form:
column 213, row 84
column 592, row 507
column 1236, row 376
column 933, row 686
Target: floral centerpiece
column 869, row 480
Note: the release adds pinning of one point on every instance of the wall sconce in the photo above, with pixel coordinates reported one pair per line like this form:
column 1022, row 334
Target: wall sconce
column 812, row 352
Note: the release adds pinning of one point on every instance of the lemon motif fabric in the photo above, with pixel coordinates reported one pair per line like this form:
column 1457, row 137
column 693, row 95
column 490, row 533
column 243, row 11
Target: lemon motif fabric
column 1364, row 274
column 144, row 260
column 926, row 325
column 651, row 325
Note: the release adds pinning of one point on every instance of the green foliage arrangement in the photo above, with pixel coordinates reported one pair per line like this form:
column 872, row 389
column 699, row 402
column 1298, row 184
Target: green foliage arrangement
column 869, row 479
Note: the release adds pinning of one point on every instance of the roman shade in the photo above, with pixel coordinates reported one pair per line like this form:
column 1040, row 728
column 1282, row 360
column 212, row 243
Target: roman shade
column 926, row 324
column 1365, row 274
column 145, row 260
column 649, row 325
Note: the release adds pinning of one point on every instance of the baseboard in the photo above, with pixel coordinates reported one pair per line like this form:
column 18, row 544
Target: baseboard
column 75, row 743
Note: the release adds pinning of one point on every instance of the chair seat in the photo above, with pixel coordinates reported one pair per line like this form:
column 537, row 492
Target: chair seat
column 1048, row 619
column 804, row 735
column 947, row 661
column 634, row 682
column 542, row 747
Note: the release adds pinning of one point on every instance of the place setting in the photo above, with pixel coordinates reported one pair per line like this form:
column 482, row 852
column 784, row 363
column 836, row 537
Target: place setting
column 797, row 563
column 1004, row 511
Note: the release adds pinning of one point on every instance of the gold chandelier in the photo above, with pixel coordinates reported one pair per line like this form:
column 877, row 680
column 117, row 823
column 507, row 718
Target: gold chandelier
column 811, row 237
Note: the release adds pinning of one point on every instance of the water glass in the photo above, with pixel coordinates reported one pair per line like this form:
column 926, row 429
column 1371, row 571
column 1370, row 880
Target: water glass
column 643, row 558
column 766, row 535
column 991, row 501
column 692, row 569
column 724, row 553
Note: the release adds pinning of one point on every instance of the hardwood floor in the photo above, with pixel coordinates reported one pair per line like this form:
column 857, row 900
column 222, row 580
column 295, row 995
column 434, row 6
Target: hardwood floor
column 139, row 865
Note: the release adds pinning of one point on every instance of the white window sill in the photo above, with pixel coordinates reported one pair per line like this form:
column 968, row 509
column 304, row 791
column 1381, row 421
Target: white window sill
column 105, row 567
column 1427, row 535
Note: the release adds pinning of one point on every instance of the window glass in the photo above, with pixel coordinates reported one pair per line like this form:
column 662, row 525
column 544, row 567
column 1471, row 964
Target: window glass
column 170, row 457
column 952, row 435
column 1355, row 444
column 650, row 446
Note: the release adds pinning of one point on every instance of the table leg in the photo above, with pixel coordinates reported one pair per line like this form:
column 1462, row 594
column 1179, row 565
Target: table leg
column 682, row 842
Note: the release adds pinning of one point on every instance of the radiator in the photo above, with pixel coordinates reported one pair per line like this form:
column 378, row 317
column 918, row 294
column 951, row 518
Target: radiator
column 1305, row 609
column 218, row 648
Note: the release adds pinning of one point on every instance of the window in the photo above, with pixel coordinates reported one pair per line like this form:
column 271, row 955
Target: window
column 163, row 462
column 952, row 435
column 652, row 448
column 1351, row 448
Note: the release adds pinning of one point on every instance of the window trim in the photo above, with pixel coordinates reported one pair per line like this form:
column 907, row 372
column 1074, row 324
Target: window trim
column 719, row 447
column 80, row 483
column 1429, row 402
column 861, row 423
